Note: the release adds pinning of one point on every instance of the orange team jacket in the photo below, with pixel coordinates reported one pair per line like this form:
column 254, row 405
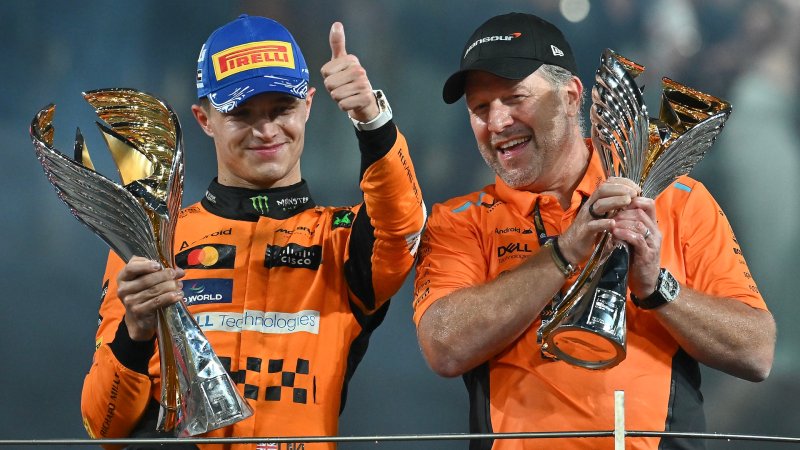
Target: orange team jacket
column 471, row 239
column 287, row 293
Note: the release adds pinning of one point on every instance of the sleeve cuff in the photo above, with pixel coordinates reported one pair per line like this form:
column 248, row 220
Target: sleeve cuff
column 375, row 144
column 134, row 355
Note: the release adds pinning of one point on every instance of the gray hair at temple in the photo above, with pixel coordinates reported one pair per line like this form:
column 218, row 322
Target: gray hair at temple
column 559, row 78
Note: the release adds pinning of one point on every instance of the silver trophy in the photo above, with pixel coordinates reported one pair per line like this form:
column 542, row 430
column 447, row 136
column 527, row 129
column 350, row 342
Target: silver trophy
column 588, row 326
column 138, row 218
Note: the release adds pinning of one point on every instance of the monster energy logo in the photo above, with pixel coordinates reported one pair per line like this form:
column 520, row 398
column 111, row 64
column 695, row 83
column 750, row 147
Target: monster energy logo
column 260, row 204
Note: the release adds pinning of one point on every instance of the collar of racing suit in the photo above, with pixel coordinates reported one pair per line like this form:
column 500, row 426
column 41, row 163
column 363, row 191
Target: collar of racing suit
column 248, row 204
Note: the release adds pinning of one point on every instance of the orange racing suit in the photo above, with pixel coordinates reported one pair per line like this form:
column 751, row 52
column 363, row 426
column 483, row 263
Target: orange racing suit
column 287, row 293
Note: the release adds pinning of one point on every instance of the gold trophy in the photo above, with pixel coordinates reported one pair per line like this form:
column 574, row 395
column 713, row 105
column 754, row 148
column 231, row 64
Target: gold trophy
column 138, row 218
column 587, row 327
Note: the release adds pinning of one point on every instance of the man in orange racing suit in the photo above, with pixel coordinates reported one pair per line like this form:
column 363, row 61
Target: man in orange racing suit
column 491, row 261
column 287, row 292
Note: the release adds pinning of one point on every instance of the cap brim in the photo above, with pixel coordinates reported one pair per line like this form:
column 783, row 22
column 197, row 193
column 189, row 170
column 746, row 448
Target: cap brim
column 229, row 97
column 511, row 68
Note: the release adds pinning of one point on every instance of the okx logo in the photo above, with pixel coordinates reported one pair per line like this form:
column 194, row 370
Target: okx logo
column 260, row 204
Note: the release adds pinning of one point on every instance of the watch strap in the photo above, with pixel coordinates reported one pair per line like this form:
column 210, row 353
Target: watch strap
column 662, row 295
column 383, row 117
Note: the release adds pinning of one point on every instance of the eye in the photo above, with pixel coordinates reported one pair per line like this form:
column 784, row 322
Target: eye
column 238, row 113
column 285, row 109
column 282, row 110
column 479, row 110
column 516, row 98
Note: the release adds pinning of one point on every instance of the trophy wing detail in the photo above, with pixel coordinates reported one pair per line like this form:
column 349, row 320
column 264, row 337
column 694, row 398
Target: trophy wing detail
column 144, row 137
column 652, row 152
column 109, row 211
column 620, row 131
column 689, row 123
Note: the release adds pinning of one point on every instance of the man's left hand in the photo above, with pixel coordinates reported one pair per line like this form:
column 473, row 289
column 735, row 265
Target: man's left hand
column 346, row 80
column 636, row 225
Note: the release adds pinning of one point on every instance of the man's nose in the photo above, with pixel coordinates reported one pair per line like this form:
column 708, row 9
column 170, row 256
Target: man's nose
column 265, row 128
column 499, row 117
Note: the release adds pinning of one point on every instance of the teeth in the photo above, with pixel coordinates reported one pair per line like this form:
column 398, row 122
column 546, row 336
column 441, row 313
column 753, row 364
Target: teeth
column 512, row 143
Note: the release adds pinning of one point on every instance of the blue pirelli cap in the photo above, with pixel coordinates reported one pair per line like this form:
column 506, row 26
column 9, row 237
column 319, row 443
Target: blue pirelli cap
column 246, row 57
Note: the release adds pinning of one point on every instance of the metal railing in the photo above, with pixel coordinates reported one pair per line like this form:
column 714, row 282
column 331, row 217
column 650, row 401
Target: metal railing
column 619, row 433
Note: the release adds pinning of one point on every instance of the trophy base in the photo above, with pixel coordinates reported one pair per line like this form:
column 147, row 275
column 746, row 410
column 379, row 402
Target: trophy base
column 592, row 336
column 585, row 348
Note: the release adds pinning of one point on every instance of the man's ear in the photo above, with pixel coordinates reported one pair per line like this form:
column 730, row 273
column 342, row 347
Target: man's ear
column 309, row 99
column 201, row 115
column 574, row 92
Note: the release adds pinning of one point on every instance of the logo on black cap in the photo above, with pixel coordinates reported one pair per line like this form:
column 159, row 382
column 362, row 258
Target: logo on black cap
column 491, row 39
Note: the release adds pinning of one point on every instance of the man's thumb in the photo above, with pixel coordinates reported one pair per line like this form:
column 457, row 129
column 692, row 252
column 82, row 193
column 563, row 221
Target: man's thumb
column 337, row 40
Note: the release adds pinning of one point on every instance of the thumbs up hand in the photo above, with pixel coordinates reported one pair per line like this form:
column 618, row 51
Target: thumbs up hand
column 346, row 80
column 337, row 41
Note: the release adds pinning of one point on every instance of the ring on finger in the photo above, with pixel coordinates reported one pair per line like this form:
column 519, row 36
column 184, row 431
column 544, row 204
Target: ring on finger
column 594, row 214
column 646, row 233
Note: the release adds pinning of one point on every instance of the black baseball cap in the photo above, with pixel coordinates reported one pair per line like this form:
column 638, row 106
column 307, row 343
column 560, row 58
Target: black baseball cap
column 511, row 46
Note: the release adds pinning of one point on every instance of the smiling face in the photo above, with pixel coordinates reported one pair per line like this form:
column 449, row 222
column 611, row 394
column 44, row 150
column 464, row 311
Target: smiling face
column 259, row 143
column 525, row 129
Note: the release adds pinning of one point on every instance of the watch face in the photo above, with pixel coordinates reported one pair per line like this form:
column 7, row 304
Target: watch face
column 668, row 286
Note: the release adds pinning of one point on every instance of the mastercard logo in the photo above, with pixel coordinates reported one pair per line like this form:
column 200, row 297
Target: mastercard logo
column 206, row 256
column 209, row 256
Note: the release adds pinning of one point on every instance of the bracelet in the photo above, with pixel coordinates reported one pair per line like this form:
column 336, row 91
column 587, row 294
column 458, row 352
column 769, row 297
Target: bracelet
column 563, row 265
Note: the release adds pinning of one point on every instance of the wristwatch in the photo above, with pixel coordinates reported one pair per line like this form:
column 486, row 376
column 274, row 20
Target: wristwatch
column 667, row 290
column 384, row 114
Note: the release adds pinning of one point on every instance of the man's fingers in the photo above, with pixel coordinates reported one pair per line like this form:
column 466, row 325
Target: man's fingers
column 626, row 182
column 337, row 40
column 138, row 267
column 166, row 299
column 148, row 285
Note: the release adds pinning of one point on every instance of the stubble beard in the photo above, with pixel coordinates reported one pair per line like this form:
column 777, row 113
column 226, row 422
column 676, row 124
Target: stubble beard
column 515, row 178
